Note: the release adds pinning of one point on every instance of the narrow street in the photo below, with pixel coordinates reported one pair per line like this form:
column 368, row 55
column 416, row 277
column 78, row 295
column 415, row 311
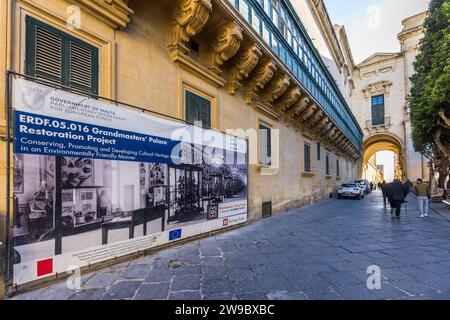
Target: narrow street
column 317, row 252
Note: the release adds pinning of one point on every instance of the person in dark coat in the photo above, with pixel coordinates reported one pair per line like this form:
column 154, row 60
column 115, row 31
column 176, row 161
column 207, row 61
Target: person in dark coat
column 396, row 193
column 383, row 187
column 408, row 185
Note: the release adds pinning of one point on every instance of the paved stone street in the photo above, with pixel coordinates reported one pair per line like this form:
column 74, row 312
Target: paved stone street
column 318, row 252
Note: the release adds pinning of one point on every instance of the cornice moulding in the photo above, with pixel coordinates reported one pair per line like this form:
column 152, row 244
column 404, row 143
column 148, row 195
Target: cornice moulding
column 115, row 12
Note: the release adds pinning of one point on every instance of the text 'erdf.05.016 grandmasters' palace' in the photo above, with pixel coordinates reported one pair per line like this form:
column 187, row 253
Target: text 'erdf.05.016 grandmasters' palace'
column 101, row 92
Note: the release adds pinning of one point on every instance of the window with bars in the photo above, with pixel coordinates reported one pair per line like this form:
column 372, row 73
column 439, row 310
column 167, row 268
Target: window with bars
column 55, row 56
column 307, row 157
column 197, row 108
column 377, row 110
column 265, row 145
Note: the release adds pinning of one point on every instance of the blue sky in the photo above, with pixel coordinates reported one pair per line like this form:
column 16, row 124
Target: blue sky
column 372, row 25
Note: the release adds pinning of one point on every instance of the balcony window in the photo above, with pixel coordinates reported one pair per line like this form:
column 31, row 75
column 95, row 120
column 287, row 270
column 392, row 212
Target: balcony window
column 275, row 17
column 243, row 9
column 378, row 110
column 256, row 22
column 266, row 34
column 275, row 46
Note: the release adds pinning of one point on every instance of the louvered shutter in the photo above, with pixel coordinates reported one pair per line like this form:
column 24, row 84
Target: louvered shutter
column 204, row 112
column 54, row 56
column 81, row 70
column 191, row 107
column 44, row 53
column 198, row 109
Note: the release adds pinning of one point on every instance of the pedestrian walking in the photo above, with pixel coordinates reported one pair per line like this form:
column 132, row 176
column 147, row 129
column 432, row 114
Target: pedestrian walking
column 396, row 193
column 408, row 185
column 379, row 185
column 422, row 191
column 384, row 187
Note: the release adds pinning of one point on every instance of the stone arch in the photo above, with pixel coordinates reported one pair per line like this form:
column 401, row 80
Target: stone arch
column 385, row 142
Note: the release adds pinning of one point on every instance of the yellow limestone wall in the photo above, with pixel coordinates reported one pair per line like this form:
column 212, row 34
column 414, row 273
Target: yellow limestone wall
column 135, row 67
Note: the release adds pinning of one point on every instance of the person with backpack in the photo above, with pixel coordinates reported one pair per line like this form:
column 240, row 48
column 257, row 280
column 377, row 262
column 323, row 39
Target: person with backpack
column 422, row 191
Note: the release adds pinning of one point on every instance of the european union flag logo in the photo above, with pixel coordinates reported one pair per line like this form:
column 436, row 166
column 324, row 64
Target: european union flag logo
column 175, row 234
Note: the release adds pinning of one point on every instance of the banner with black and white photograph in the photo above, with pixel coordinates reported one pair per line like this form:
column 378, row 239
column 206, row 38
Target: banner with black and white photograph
column 94, row 181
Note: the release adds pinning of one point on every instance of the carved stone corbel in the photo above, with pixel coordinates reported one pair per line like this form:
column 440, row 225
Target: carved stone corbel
column 189, row 19
column 298, row 108
column 331, row 132
column 260, row 76
column 244, row 62
column 291, row 96
column 327, row 128
column 315, row 118
column 321, row 124
column 310, row 110
column 335, row 136
column 340, row 139
column 225, row 45
column 276, row 88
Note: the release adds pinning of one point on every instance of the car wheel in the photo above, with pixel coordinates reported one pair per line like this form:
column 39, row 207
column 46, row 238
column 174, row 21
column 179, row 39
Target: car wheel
column 359, row 197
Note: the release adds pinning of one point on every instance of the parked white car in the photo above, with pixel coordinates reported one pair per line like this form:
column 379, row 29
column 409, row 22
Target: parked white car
column 350, row 190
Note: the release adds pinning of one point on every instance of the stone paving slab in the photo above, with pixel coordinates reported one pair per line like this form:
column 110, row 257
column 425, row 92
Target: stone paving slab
column 318, row 252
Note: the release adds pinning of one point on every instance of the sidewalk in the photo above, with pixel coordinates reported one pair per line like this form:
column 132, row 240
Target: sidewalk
column 317, row 252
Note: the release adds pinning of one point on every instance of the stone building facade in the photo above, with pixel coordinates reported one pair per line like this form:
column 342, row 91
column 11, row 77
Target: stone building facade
column 379, row 102
column 251, row 61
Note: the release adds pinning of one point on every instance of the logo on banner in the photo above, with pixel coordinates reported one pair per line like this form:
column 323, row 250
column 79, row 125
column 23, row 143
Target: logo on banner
column 175, row 234
column 34, row 99
column 213, row 211
column 225, row 222
column 44, row 267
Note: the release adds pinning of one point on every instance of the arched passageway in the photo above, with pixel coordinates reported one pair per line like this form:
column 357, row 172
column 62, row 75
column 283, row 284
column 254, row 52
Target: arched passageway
column 382, row 142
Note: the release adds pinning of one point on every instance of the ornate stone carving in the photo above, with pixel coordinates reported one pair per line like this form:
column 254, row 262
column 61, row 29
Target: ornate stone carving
column 331, row 132
column 115, row 12
column 321, row 124
column 297, row 109
column 189, row 19
column 244, row 62
column 340, row 139
column 260, row 76
column 316, row 117
column 327, row 127
column 382, row 87
column 291, row 96
column 276, row 88
column 310, row 110
column 226, row 45
column 335, row 136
